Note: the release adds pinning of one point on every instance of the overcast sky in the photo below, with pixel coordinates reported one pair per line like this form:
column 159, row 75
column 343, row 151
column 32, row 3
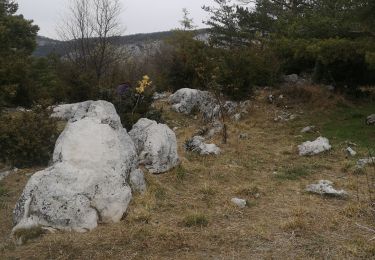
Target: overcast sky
column 139, row 16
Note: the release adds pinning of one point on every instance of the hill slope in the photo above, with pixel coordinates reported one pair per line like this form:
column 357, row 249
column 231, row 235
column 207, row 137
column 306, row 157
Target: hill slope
column 187, row 213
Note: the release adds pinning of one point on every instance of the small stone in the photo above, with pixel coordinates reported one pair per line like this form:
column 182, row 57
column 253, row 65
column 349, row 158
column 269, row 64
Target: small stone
column 239, row 202
column 308, row 129
column 351, row 152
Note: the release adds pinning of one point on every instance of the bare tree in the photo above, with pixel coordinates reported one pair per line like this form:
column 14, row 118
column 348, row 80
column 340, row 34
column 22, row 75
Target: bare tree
column 89, row 31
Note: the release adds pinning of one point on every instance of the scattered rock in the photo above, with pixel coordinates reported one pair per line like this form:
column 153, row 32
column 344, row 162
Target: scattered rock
column 87, row 182
column 308, row 129
column 239, row 202
column 330, row 88
column 363, row 162
column 285, row 116
column 196, row 144
column 156, row 145
column 324, row 187
column 370, row 120
column 162, row 95
column 321, row 144
column 137, row 181
column 351, row 152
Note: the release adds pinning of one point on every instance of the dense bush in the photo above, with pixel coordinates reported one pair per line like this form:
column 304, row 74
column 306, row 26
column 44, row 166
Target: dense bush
column 344, row 63
column 27, row 138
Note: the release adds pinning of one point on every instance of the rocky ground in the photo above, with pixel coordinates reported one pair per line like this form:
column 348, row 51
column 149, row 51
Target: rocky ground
column 187, row 213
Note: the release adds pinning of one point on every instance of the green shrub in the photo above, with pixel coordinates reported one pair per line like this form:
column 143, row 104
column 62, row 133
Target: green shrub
column 27, row 138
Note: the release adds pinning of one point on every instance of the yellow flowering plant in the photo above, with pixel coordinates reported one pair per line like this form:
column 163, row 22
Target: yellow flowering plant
column 142, row 86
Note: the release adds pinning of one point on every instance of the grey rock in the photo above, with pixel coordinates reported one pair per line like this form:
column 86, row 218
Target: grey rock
column 239, row 202
column 158, row 96
column 361, row 163
column 321, row 144
column 137, row 181
column 351, row 152
column 196, row 144
column 308, row 129
column 324, row 187
column 156, row 145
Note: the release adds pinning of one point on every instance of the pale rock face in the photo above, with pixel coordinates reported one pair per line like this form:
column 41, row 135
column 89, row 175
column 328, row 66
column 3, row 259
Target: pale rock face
column 137, row 181
column 196, row 144
column 370, row 120
column 87, row 182
column 321, row 144
column 156, row 145
column 239, row 202
column 185, row 100
column 324, row 187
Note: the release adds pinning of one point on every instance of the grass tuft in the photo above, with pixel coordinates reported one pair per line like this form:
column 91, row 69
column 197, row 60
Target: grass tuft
column 196, row 220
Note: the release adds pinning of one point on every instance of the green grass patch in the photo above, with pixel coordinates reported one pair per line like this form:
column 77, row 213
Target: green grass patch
column 348, row 124
column 294, row 172
column 195, row 220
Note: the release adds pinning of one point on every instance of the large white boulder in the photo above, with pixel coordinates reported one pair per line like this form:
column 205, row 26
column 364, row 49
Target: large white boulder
column 321, row 144
column 87, row 182
column 156, row 145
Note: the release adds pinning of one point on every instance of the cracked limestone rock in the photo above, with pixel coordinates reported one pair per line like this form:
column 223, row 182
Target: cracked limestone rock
column 87, row 182
column 156, row 145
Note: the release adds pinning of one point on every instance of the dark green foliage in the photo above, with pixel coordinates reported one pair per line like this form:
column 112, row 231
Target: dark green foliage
column 332, row 39
column 27, row 138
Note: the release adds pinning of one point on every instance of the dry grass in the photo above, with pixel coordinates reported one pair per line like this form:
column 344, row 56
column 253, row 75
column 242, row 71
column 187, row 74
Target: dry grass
column 187, row 213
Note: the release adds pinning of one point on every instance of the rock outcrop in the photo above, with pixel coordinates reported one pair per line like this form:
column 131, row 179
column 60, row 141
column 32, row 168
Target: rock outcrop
column 87, row 182
column 156, row 145
column 197, row 144
column 321, row 144
column 324, row 187
column 188, row 100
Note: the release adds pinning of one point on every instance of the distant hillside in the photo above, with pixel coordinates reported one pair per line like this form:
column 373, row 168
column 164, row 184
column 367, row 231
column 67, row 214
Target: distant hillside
column 135, row 43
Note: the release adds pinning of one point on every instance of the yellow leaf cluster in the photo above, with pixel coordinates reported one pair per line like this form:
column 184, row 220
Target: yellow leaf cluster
column 143, row 84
